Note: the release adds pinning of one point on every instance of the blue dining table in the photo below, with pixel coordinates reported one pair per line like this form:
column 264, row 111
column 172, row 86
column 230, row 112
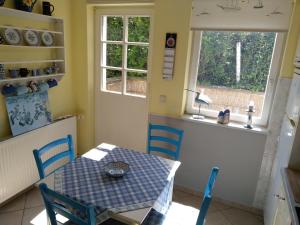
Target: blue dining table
column 148, row 183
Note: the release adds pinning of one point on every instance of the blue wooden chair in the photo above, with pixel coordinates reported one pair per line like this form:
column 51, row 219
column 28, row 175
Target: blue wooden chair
column 57, row 204
column 153, row 140
column 42, row 166
column 184, row 215
column 53, row 208
column 207, row 196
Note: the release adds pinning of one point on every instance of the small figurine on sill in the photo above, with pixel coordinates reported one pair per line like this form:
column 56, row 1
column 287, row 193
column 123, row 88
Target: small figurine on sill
column 224, row 117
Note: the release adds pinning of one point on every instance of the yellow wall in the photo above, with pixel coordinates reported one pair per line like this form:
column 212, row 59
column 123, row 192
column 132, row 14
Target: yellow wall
column 83, row 71
column 170, row 16
column 61, row 97
column 166, row 19
column 287, row 68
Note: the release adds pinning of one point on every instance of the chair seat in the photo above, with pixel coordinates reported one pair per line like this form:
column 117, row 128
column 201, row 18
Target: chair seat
column 177, row 214
column 107, row 222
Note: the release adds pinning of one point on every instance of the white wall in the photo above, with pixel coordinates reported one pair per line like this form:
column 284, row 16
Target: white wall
column 275, row 15
column 18, row 170
column 237, row 152
column 121, row 120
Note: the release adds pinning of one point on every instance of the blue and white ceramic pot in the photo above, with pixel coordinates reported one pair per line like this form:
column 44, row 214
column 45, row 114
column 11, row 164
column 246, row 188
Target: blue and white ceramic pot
column 2, row 2
column 25, row 5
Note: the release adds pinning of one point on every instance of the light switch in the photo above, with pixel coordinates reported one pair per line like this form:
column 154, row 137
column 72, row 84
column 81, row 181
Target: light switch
column 162, row 98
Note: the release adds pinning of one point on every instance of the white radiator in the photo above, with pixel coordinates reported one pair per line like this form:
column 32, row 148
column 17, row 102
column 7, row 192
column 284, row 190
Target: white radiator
column 18, row 169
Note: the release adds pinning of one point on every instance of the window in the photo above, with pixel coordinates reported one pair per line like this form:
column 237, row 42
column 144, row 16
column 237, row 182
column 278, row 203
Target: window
column 232, row 69
column 124, row 54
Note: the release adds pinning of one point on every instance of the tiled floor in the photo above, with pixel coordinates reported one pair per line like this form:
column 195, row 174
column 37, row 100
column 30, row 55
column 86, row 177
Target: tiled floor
column 29, row 210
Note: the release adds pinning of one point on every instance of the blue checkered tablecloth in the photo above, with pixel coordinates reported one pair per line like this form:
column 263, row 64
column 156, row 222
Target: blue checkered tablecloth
column 147, row 184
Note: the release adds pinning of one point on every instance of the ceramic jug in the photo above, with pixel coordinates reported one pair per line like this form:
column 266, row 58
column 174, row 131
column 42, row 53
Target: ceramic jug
column 25, row 5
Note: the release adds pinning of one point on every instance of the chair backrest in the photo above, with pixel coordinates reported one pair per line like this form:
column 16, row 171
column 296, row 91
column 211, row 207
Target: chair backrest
column 207, row 196
column 39, row 152
column 165, row 139
column 51, row 199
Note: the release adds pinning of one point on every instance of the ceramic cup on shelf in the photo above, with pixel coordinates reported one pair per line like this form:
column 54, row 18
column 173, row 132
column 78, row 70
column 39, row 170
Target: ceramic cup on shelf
column 34, row 72
column 2, row 71
column 24, row 72
column 48, row 70
column 48, row 8
column 13, row 73
column 40, row 72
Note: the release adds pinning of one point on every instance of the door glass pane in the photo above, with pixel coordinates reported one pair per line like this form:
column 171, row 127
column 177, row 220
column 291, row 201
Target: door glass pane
column 136, row 83
column 137, row 57
column 114, row 28
column 138, row 29
column 113, row 55
column 113, row 80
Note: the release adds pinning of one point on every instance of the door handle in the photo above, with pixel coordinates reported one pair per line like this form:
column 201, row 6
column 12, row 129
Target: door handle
column 292, row 122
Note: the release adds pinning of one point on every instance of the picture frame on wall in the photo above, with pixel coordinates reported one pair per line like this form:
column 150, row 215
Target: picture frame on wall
column 28, row 112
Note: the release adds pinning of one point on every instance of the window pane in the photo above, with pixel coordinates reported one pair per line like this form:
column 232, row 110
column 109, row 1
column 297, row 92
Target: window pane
column 114, row 28
column 136, row 83
column 113, row 80
column 234, row 69
column 138, row 29
column 137, row 57
column 113, row 55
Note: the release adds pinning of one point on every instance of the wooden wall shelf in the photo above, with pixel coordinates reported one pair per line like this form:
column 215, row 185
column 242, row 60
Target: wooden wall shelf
column 57, row 50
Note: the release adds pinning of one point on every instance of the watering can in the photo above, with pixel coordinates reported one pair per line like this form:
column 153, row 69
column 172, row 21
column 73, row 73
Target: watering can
column 25, row 5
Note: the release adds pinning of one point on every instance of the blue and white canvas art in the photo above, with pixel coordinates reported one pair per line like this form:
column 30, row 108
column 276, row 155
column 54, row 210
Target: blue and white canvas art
column 28, row 112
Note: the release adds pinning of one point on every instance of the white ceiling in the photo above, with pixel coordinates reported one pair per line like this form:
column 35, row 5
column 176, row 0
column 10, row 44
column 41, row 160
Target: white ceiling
column 241, row 14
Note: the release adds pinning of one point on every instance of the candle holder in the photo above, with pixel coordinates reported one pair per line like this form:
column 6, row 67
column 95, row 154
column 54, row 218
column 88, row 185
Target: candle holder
column 250, row 112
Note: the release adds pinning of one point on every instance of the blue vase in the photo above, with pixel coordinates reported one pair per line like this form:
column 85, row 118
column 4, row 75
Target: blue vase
column 20, row 5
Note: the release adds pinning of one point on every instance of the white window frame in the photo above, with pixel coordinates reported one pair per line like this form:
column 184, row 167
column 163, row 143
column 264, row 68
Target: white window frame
column 270, row 88
column 100, row 59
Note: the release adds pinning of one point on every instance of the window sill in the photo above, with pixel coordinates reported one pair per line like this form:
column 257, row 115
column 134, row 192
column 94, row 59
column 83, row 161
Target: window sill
column 123, row 94
column 231, row 125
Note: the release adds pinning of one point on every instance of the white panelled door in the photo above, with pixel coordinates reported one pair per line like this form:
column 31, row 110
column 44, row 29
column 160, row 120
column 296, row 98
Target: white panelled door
column 122, row 70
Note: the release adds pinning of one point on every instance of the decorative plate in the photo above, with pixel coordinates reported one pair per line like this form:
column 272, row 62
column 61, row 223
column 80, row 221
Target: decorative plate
column 11, row 36
column 116, row 169
column 47, row 39
column 31, row 38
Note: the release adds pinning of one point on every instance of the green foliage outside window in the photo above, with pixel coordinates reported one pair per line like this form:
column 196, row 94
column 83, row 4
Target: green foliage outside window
column 217, row 65
column 138, row 31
